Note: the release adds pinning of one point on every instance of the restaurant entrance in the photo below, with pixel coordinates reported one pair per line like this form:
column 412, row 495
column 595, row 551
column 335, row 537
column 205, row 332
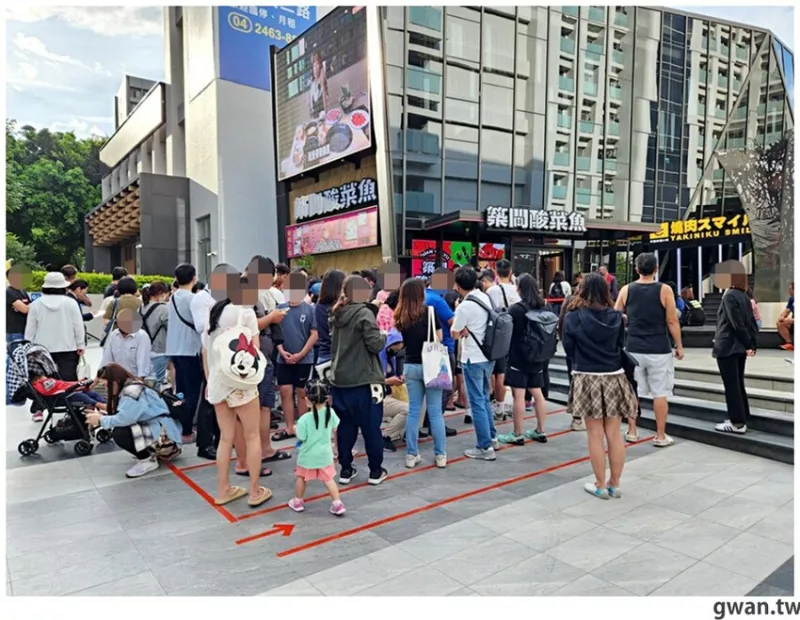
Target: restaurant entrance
column 541, row 262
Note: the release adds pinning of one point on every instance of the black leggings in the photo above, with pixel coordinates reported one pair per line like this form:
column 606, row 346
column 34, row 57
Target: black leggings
column 732, row 371
column 123, row 437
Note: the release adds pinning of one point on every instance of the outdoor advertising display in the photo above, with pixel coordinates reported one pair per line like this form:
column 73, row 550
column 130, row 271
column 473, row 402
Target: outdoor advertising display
column 348, row 231
column 322, row 104
column 454, row 254
column 246, row 34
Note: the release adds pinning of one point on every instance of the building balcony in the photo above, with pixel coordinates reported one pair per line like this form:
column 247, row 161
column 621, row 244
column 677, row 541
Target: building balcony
column 417, row 79
column 594, row 48
column 418, row 141
column 586, row 126
column 704, row 45
column 573, row 11
column 741, row 53
column 425, row 16
column 718, row 174
column 589, row 88
column 610, row 165
column 564, row 121
column 737, row 85
column 736, row 143
column 559, row 192
column 699, row 174
column 703, row 77
column 594, row 56
column 701, row 110
column 720, row 113
column 566, row 83
column 613, row 128
column 584, row 164
column 615, row 93
column 561, row 158
column 762, row 108
column 621, row 19
column 740, row 112
column 567, row 45
column 583, row 195
column 725, row 51
column 722, row 82
column 773, row 137
column 420, row 202
column 618, row 56
column 597, row 14
column 608, row 198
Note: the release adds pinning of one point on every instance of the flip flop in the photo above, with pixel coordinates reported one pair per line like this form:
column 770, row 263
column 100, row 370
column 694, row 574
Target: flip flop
column 263, row 474
column 264, row 494
column 281, row 435
column 280, row 455
column 234, row 494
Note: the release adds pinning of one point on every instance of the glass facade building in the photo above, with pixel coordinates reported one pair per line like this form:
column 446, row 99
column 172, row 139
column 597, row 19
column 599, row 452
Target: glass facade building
column 613, row 112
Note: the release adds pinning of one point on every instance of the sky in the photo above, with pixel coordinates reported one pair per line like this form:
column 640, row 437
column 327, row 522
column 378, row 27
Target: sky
column 64, row 65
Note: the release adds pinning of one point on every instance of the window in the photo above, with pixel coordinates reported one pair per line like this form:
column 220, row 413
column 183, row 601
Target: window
column 463, row 39
column 462, row 84
column 498, row 43
column 204, row 247
column 497, row 109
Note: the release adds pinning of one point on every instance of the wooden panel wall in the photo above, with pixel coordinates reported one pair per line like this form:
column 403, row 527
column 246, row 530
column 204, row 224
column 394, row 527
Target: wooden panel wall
column 348, row 261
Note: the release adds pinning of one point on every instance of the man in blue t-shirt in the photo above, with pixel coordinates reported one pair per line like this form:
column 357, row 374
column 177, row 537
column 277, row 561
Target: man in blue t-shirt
column 786, row 321
column 296, row 353
column 442, row 282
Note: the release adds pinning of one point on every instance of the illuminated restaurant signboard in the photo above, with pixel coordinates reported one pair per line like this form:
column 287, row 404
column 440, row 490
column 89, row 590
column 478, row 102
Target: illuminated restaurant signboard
column 347, row 231
column 536, row 220
column 322, row 104
column 360, row 193
column 702, row 229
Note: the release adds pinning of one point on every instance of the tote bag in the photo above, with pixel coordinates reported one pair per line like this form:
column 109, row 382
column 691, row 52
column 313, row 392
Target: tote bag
column 436, row 371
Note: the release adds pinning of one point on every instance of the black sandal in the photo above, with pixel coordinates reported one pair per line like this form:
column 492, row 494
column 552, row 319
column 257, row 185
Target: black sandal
column 280, row 455
column 263, row 474
column 281, row 435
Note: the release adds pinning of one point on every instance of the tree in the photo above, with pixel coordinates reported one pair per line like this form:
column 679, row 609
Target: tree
column 19, row 253
column 52, row 182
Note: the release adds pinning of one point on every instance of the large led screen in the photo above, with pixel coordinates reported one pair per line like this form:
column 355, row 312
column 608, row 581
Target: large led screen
column 322, row 104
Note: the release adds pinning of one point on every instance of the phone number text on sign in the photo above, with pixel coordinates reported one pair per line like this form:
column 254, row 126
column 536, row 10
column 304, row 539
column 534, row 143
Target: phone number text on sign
column 244, row 24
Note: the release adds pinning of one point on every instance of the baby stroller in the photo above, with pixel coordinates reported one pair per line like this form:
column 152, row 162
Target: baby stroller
column 26, row 359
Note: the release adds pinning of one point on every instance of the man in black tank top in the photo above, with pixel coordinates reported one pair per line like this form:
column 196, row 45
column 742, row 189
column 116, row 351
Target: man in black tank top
column 652, row 319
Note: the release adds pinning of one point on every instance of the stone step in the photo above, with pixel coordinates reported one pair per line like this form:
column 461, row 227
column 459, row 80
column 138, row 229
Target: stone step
column 755, row 442
column 764, row 420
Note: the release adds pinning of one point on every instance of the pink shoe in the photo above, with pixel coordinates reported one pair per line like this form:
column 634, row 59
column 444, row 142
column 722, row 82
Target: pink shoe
column 338, row 509
column 38, row 416
column 297, row 504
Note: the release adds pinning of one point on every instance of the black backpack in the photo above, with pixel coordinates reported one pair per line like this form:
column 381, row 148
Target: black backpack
column 499, row 329
column 696, row 316
column 541, row 336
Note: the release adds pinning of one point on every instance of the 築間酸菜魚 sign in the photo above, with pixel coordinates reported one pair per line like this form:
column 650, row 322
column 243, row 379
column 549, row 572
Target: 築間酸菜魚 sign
column 360, row 193
column 321, row 94
column 246, row 34
column 515, row 218
column 702, row 229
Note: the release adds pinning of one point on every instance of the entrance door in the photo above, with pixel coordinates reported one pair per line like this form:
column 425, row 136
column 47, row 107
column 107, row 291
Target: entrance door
column 525, row 261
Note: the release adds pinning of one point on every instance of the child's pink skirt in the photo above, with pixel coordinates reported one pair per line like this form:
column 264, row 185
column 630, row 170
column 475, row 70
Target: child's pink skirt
column 324, row 474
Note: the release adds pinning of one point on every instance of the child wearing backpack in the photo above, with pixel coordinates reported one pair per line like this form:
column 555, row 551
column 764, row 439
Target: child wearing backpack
column 315, row 455
column 155, row 318
column 533, row 344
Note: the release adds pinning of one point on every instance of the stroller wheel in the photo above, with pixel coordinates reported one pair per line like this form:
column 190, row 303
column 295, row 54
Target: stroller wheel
column 48, row 437
column 103, row 435
column 28, row 447
column 83, row 448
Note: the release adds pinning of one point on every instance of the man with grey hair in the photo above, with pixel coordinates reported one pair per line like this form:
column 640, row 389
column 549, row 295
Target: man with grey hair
column 650, row 310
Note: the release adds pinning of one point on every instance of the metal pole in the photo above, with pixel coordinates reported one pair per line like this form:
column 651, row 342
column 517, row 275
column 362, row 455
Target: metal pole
column 680, row 263
column 700, row 274
column 658, row 268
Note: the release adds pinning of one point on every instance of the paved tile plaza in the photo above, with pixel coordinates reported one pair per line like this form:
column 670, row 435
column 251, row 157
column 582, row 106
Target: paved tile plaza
column 694, row 520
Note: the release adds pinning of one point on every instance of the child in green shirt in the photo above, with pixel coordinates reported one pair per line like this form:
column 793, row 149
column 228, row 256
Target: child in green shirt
column 315, row 449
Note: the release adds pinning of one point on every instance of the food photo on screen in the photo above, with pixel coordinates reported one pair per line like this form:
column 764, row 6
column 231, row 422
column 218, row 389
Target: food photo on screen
column 322, row 93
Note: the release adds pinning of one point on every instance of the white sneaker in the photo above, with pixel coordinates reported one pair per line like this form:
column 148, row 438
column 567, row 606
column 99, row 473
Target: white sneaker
column 413, row 460
column 578, row 424
column 496, row 443
column 441, row 461
column 666, row 442
column 728, row 427
column 142, row 468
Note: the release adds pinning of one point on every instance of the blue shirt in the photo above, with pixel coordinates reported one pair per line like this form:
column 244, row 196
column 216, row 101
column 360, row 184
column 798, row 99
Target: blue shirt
column 141, row 405
column 297, row 326
column 444, row 314
column 790, row 305
column 182, row 340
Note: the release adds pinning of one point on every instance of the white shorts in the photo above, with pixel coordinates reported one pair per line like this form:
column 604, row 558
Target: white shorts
column 655, row 374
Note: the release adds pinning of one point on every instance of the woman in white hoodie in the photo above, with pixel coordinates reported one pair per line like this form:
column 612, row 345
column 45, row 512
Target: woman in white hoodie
column 55, row 322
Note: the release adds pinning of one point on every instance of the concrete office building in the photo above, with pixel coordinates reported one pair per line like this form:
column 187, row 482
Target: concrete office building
column 612, row 113
column 192, row 166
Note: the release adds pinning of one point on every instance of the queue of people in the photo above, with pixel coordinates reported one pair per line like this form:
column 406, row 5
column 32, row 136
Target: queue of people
column 371, row 354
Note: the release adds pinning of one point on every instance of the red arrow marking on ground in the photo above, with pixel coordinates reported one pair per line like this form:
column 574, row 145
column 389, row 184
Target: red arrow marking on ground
column 279, row 528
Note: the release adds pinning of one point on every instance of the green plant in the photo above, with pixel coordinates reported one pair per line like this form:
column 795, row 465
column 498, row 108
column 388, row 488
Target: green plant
column 306, row 262
column 99, row 281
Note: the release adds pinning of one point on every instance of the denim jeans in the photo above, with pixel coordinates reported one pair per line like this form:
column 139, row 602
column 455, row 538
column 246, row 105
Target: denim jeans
column 476, row 377
column 12, row 337
column 417, row 393
column 158, row 368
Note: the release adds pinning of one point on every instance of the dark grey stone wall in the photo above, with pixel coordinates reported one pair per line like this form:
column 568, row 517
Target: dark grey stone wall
column 164, row 202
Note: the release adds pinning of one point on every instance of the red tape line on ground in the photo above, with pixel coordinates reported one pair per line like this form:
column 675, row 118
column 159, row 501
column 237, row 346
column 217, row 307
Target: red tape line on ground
column 346, row 489
column 197, row 489
column 440, row 503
